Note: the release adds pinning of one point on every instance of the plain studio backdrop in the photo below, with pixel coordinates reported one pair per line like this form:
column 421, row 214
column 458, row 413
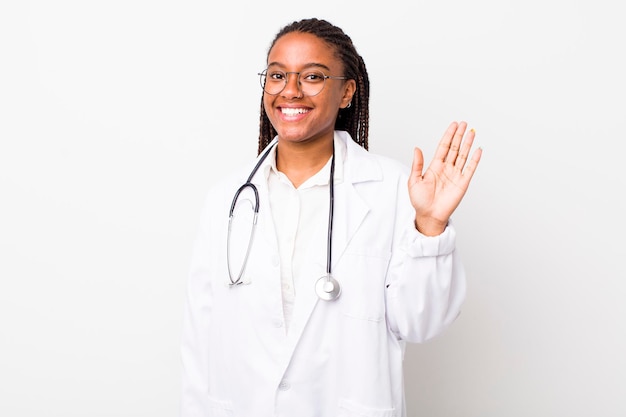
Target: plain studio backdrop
column 116, row 117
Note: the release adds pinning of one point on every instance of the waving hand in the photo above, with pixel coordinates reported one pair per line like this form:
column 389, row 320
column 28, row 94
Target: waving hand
column 438, row 191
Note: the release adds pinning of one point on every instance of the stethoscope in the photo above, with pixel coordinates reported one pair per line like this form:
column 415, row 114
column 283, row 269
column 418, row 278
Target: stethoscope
column 326, row 287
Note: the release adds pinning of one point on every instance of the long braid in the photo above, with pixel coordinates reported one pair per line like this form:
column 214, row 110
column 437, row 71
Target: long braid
column 354, row 119
column 266, row 130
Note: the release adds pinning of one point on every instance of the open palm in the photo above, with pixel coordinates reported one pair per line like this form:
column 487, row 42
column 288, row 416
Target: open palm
column 438, row 191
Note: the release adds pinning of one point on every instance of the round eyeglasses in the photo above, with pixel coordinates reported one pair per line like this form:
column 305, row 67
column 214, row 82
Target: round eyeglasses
column 310, row 82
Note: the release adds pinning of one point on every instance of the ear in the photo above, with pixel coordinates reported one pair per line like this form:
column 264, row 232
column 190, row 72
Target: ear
column 348, row 92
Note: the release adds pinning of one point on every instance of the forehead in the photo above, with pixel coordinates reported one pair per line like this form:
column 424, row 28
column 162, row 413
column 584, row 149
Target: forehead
column 299, row 49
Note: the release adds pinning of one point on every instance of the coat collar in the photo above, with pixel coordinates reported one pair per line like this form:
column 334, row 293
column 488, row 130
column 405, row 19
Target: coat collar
column 358, row 164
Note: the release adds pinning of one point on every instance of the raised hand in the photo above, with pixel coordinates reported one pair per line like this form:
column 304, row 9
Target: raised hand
column 436, row 193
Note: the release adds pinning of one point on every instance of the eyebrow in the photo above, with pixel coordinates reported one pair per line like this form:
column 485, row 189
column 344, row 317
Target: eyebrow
column 305, row 66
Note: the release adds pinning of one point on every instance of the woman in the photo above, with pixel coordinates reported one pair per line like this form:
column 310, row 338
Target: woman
column 353, row 255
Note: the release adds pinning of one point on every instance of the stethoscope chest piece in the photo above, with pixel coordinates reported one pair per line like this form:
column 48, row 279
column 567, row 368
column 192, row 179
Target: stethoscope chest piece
column 327, row 288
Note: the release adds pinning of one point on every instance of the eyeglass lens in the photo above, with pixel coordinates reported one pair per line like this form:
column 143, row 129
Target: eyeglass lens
column 310, row 82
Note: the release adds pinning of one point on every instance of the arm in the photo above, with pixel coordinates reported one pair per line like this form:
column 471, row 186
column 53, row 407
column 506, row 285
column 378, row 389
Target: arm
column 195, row 336
column 425, row 285
column 426, row 281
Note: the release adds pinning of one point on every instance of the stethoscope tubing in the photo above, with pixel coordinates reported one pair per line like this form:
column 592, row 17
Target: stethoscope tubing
column 231, row 215
column 329, row 243
column 250, row 240
column 326, row 287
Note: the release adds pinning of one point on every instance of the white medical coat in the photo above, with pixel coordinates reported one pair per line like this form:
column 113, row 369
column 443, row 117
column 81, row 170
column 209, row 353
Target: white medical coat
column 340, row 358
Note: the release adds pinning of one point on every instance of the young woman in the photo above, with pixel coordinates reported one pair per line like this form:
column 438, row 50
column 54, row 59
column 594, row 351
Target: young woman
column 301, row 301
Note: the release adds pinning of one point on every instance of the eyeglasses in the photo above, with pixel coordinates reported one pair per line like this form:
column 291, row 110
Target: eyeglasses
column 310, row 82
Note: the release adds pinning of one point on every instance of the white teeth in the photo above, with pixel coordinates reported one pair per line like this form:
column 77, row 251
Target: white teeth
column 292, row 112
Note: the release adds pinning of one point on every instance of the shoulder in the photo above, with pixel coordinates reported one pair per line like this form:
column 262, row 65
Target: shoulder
column 253, row 170
column 219, row 192
column 389, row 164
column 363, row 165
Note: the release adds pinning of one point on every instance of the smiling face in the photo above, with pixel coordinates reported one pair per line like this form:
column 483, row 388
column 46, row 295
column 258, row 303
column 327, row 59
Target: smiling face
column 301, row 119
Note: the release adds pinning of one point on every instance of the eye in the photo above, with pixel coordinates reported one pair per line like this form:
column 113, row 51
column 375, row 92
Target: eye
column 312, row 77
column 276, row 75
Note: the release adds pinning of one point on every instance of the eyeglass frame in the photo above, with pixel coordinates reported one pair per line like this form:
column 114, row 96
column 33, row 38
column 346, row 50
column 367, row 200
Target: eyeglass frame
column 263, row 75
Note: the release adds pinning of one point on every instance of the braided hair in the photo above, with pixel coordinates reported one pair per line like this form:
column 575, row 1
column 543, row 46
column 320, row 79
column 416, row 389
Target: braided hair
column 353, row 119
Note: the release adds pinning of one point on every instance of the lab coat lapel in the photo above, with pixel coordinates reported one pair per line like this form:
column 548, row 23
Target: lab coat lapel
column 349, row 211
column 350, row 208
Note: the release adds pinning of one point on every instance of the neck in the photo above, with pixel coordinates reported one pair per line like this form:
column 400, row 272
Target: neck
column 299, row 163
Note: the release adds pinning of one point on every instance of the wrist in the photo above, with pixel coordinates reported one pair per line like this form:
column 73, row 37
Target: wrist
column 430, row 226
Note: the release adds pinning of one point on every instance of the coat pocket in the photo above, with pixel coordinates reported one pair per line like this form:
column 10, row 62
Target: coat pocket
column 349, row 408
column 363, row 279
column 219, row 408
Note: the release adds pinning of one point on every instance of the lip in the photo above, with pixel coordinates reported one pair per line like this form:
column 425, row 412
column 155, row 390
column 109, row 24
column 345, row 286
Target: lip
column 293, row 113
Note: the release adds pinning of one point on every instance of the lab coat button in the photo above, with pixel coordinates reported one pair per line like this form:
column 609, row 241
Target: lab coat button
column 278, row 323
column 283, row 386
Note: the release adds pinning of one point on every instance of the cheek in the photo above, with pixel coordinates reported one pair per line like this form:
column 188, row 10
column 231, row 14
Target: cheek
column 267, row 109
column 266, row 103
column 267, row 106
column 336, row 98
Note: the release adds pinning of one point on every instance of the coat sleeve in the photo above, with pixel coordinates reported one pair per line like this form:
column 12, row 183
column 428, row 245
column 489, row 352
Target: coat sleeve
column 195, row 334
column 425, row 285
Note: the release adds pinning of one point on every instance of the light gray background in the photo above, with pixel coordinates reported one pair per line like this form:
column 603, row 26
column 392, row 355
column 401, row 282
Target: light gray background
column 116, row 116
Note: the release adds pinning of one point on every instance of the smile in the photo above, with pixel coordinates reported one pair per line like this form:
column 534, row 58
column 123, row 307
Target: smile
column 287, row 111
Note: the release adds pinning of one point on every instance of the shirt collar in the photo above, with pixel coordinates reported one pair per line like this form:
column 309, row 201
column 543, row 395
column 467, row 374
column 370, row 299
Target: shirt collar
column 322, row 176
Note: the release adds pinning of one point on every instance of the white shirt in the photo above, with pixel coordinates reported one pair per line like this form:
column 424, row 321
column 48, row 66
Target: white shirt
column 298, row 213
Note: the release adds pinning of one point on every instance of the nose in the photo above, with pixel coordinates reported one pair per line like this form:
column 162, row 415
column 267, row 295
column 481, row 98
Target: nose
column 292, row 85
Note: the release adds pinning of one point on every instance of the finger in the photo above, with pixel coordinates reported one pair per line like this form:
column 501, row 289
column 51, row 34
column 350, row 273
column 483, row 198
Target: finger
column 465, row 149
column 455, row 145
column 470, row 169
column 444, row 143
column 417, row 166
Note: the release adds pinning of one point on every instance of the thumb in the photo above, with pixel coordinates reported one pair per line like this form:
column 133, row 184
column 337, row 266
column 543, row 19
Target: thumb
column 417, row 166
